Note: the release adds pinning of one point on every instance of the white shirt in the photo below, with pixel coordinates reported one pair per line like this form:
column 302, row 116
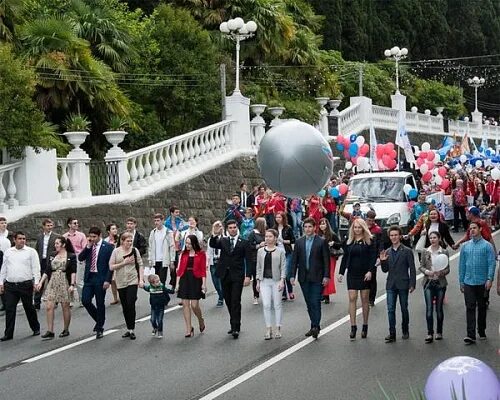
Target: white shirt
column 46, row 237
column 20, row 265
column 4, row 234
column 4, row 243
column 243, row 196
column 98, row 247
column 434, row 227
column 189, row 231
column 159, row 239
column 235, row 238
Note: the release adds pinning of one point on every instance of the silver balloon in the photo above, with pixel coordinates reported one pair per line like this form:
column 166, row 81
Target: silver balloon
column 295, row 159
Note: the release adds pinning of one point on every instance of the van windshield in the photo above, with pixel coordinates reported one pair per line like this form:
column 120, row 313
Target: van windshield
column 379, row 189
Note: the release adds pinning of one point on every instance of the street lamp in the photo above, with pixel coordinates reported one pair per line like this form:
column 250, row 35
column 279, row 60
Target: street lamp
column 396, row 54
column 237, row 30
column 476, row 83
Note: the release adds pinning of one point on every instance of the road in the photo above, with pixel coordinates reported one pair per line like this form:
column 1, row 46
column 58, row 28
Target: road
column 213, row 365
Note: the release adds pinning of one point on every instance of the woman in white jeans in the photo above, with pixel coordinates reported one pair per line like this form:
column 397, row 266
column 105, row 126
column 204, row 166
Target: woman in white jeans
column 270, row 274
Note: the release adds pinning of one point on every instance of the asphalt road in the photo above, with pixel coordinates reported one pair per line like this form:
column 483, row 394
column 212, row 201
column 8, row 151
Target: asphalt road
column 213, row 365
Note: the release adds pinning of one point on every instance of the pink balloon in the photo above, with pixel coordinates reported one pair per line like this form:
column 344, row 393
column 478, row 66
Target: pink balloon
column 343, row 188
column 340, row 139
column 346, row 154
column 393, row 154
column 431, row 156
column 381, row 165
column 442, row 172
column 364, row 149
column 354, row 160
column 423, row 155
column 389, row 146
column 386, row 159
column 430, row 164
column 420, row 162
column 392, row 164
column 427, row 176
column 445, row 183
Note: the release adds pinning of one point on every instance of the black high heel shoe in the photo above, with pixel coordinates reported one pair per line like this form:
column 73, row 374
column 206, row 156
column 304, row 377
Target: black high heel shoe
column 354, row 329
column 364, row 332
column 190, row 334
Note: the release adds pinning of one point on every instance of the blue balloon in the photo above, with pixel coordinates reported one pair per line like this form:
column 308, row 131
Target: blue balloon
column 340, row 147
column 412, row 194
column 353, row 150
column 321, row 193
column 334, row 192
column 353, row 137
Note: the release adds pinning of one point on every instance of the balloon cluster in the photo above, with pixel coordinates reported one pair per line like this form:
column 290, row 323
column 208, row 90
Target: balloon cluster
column 411, row 192
column 354, row 149
column 386, row 156
column 335, row 192
column 426, row 163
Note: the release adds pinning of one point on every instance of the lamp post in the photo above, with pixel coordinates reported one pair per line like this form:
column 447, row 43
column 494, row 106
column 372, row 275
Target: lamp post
column 237, row 30
column 476, row 83
column 396, row 54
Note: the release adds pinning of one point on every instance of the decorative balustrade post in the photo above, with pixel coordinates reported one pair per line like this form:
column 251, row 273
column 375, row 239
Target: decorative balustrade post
column 258, row 125
column 323, row 115
column 276, row 112
column 116, row 154
column 237, row 110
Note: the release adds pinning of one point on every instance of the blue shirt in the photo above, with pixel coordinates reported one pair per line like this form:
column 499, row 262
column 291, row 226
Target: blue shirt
column 477, row 262
column 309, row 243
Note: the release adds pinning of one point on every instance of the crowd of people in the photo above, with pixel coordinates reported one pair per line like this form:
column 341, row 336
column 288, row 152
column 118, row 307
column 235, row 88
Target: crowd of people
column 265, row 239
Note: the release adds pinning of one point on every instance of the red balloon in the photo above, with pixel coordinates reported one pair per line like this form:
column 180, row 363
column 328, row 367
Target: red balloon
column 393, row 154
column 379, row 150
column 431, row 156
column 427, row 176
column 364, row 149
column 392, row 164
column 419, row 162
column 340, row 139
column 423, row 155
column 442, row 172
column 389, row 146
column 386, row 159
column 430, row 164
column 343, row 188
column 445, row 183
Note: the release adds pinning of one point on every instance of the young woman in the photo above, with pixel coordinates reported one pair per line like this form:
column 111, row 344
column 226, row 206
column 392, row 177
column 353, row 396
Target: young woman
column 315, row 208
column 481, row 198
column 191, row 230
column 431, row 222
column 359, row 259
column 285, row 240
column 331, row 210
column 191, row 282
column 112, row 238
column 434, row 284
column 126, row 262
column 325, row 231
column 256, row 239
column 271, row 271
column 61, row 277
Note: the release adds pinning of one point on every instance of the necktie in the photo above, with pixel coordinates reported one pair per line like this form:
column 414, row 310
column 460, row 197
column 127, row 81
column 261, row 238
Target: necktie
column 93, row 260
column 232, row 243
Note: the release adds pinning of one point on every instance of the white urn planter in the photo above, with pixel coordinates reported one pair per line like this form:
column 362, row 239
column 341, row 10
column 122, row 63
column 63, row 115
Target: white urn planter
column 115, row 138
column 334, row 104
column 276, row 112
column 76, row 139
column 257, row 109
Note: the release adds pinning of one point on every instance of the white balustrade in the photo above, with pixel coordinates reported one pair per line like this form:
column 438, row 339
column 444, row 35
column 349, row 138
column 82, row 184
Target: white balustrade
column 385, row 117
column 8, row 186
column 349, row 120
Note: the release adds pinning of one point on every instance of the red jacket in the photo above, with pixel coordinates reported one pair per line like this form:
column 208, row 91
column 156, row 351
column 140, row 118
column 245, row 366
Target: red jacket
column 199, row 265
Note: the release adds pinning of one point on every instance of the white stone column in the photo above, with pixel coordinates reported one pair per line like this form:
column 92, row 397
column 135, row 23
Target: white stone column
column 238, row 110
column 365, row 111
column 399, row 102
column 116, row 154
column 79, row 175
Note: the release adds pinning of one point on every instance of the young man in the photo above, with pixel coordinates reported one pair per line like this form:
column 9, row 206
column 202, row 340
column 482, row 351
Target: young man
column 459, row 201
column 161, row 252
column 45, row 248
column 311, row 258
column 476, row 272
column 235, row 212
column 376, row 231
column 175, row 224
column 244, row 195
column 97, row 277
column 399, row 262
column 18, row 279
column 233, row 258
column 139, row 239
column 79, row 241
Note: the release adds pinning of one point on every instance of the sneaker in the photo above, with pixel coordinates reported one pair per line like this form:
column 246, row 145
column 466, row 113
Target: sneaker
column 160, row 335
column 277, row 334
column 405, row 336
column 255, row 301
column 468, row 340
column 439, row 336
column 153, row 333
column 390, row 338
column 429, row 339
column 482, row 336
column 220, row 303
column 268, row 335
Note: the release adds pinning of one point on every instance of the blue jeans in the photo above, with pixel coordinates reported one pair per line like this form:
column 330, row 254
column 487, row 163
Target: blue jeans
column 332, row 219
column 392, row 296
column 430, row 292
column 297, row 223
column 288, row 288
column 157, row 318
column 312, row 295
column 217, row 283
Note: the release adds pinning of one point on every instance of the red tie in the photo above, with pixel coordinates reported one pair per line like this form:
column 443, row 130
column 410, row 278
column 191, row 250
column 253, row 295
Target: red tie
column 93, row 260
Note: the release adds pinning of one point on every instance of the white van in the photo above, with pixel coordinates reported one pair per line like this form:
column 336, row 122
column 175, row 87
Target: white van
column 382, row 191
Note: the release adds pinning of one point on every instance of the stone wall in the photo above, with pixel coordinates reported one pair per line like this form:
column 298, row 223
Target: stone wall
column 204, row 196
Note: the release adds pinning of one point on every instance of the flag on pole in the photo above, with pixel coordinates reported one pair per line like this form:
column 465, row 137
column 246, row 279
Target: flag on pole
column 402, row 139
column 373, row 148
column 465, row 144
column 474, row 145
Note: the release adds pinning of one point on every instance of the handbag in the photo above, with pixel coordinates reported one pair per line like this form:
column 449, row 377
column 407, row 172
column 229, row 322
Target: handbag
column 420, row 246
column 336, row 252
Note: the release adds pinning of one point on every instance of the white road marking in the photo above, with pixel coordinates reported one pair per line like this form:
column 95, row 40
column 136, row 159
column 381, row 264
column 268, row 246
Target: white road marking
column 277, row 358
column 147, row 317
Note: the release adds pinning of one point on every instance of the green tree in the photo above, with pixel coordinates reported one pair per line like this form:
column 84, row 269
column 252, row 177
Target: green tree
column 9, row 12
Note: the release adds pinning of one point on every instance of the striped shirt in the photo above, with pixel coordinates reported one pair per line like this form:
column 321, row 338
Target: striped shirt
column 477, row 262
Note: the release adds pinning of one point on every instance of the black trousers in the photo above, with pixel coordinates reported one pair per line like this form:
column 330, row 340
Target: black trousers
column 161, row 272
column 373, row 288
column 459, row 213
column 128, row 297
column 13, row 293
column 37, row 296
column 475, row 298
column 232, row 296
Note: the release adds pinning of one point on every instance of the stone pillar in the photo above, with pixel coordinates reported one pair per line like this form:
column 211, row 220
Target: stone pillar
column 258, row 124
column 365, row 110
column 399, row 102
column 116, row 154
column 79, row 175
column 36, row 178
column 238, row 110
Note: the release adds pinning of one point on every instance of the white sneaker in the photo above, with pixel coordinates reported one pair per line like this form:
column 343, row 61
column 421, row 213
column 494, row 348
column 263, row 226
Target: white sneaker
column 153, row 333
column 160, row 335
column 255, row 301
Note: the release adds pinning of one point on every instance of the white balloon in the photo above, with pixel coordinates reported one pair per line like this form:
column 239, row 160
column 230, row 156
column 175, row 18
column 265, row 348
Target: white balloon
column 478, row 164
column 424, row 168
column 463, row 158
column 360, row 141
column 426, row 146
column 438, row 180
column 495, row 173
column 437, row 158
column 407, row 188
column 435, row 172
column 348, row 165
column 440, row 263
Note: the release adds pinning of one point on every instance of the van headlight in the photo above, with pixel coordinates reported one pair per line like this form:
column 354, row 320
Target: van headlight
column 394, row 219
column 343, row 221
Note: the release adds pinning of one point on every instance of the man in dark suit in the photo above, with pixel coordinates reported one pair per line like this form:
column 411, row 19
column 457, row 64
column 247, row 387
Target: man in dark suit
column 311, row 258
column 399, row 262
column 45, row 248
column 234, row 252
column 97, row 277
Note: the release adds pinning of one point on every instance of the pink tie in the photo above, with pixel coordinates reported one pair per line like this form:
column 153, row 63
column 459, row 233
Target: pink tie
column 93, row 260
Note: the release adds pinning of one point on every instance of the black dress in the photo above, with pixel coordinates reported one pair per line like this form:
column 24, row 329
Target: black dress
column 189, row 285
column 359, row 258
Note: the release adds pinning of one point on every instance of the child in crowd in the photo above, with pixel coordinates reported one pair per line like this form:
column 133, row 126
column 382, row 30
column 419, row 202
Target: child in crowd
column 158, row 299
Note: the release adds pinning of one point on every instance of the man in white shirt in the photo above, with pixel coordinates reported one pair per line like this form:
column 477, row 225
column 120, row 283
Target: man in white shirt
column 161, row 248
column 5, row 243
column 18, row 279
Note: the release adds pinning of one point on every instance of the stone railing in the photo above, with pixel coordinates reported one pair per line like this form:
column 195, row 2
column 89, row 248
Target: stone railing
column 350, row 120
column 158, row 161
column 424, row 123
column 385, row 117
column 8, row 185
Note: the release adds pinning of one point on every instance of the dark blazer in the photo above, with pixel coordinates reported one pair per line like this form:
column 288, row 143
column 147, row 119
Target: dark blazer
column 70, row 267
column 50, row 247
column 401, row 269
column 232, row 262
column 319, row 260
column 287, row 234
column 139, row 243
column 444, row 231
column 103, row 257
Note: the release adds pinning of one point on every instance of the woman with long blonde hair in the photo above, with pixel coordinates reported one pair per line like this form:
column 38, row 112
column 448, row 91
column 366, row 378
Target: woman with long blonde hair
column 359, row 259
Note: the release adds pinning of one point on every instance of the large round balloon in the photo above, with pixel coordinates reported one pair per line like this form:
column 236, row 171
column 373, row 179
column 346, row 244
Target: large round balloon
column 462, row 374
column 440, row 263
column 295, row 159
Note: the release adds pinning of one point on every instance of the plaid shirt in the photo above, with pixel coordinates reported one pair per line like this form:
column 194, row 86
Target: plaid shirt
column 477, row 262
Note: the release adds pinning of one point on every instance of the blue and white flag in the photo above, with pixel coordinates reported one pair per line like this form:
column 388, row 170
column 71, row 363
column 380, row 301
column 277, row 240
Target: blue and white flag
column 402, row 139
column 373, row 148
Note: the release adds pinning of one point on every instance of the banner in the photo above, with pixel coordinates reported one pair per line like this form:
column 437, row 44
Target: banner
column 373, row 146
column 443, row 203
column 402, row 139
